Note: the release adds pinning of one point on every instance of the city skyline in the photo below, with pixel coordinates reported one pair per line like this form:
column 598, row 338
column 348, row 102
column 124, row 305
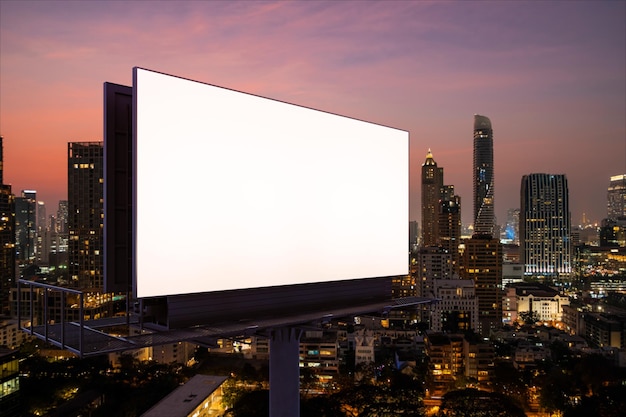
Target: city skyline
column 549, row 76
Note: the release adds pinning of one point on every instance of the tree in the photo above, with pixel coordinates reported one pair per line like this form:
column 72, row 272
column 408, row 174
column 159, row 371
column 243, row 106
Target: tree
column 251, row 404
column 557, row 388
column 471, row 402
column 529, row 318
column 606, row 402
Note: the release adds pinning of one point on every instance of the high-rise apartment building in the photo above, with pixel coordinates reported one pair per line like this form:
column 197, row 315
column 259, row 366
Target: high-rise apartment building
column 62, row 217
column 449, row 228
column 616, row 197
column 86, row 215
column 482, row 263
column 432, row 263
column 7, row 239
column 432, row 183
column 26, row 226
column 545, row 226
column 484, row 217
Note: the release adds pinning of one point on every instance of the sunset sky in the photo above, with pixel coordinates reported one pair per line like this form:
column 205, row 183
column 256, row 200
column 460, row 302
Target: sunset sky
column 550, row 75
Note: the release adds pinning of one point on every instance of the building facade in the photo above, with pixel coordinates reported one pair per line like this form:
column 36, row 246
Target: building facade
column 545, row 303
column 26, row 226
column 616, row 197
column 613, row 232
column 482, row 263
column 86, row 214
column 449, row 228
column 545, row 226
column 484, row 215
column 10, row 380
column 431, row 263
column 432, row 184
column 456, row 309
column 7, row 239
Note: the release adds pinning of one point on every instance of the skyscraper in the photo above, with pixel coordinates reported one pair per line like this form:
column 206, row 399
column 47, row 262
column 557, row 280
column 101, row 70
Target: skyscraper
column 449, row 228
column 616, row 197
column 26, row 226
column 7, row 239
column 432, row 183
column 86, row 214
column 484, row 220
column 545, row 222
column 482, row 263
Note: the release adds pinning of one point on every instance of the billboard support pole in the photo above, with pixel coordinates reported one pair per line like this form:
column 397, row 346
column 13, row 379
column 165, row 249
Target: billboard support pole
column 285, row 372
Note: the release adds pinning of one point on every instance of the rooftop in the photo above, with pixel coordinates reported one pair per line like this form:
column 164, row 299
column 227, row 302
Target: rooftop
column 186, row 398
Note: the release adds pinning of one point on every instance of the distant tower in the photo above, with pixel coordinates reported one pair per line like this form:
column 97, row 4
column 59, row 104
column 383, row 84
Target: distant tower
column 26, row 226
column 545, row 226
column 62, row 217
column 7, row 239
column 449, row 227
column 42, row 219
column 512, row 226
column 432, row 183
column 86, row 214
column 482, row 263
column 616, row 197
column 484, row 218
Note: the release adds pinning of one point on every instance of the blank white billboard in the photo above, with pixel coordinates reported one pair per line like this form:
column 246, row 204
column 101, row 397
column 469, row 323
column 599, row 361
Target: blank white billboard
column 237, row 191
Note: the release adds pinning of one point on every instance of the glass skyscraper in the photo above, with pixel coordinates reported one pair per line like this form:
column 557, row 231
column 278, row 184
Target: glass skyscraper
column 545, row 222
column 484, row 218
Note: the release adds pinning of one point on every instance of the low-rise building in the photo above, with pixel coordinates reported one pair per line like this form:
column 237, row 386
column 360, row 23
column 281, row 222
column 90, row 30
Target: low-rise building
column 201, row 396
column 11, row 336
column 528, row 354
column 604, row 330
column 445, row 363
column 10, row 380
column 319, row 349
column 456, row 309
column 532, row 297
column 479, row 358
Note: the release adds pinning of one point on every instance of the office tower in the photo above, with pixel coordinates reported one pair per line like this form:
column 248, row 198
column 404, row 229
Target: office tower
column 449, row 227
column 432, row 183
column 86, row 214
column 42, row 220
column 484, row 220
column 511, row 231
column 26, row 226
column 545, row 246
column 62, row 217
column 482, row 263
column 616, row 197
column 613, row 232
column 7, row 239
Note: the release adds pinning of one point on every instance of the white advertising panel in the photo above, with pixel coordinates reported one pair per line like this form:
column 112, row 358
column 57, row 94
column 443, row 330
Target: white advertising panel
column 236, row 191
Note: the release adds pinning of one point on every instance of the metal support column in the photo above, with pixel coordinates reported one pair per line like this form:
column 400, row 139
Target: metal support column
column 285, row 372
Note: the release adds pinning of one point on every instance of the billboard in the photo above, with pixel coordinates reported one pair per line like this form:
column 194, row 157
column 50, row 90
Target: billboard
column 234, row 191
